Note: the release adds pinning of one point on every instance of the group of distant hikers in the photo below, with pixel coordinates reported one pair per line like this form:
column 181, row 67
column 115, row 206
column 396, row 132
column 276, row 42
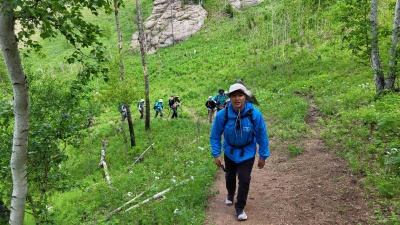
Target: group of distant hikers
column 174, row 102
column 216, row 103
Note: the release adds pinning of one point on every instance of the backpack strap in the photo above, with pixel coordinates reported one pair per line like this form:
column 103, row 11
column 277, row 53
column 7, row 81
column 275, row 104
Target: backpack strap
column 226, row 116
column 248, row 114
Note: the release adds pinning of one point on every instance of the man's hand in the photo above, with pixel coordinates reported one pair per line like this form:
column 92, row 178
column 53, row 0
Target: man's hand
column 218, row 161
column 261, row 163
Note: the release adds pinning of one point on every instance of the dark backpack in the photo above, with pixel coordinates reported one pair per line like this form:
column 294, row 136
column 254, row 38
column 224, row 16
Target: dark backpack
column 120, row 107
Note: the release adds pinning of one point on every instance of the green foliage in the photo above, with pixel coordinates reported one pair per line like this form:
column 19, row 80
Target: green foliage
column 173, row 158
column 289, row 53
column 355, row 18
column 393, row 160
column 229, row 10
column 294, row 150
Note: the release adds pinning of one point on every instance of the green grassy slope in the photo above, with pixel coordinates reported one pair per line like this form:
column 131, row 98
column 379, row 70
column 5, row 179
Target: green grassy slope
column 254, row 45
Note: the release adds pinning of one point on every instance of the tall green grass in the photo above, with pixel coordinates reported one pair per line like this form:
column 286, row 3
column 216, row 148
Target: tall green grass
column 255, row 45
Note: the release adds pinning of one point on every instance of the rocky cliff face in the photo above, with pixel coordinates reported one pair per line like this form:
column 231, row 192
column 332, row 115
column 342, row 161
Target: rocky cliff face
column 172, row 22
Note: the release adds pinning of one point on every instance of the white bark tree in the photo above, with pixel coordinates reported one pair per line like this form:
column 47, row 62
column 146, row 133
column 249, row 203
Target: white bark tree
column 379, row 78
column 142, row 42
column 46, row 18
column 9, row 48
column 390, row 79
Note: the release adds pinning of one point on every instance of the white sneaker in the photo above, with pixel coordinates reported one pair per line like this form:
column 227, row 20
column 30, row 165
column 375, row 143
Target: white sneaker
column 242, row 216
column 228, row 202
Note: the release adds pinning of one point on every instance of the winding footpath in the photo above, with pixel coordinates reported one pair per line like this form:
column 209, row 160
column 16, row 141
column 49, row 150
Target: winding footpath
column 313, row 188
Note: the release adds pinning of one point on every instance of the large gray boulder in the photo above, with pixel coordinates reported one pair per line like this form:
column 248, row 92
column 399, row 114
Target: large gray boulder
column 171, row 22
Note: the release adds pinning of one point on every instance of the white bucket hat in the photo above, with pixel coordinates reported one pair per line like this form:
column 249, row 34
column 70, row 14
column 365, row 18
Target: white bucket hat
column 240, row 87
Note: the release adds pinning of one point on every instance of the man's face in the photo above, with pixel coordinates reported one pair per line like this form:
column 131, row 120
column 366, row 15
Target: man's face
column 238, row 99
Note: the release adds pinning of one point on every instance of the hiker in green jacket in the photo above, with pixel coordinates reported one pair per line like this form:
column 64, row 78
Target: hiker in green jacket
column 220, row 99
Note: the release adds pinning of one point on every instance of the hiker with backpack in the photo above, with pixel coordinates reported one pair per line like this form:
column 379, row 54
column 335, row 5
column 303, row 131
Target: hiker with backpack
column 220, row 99
column 141, row 107
column 243, row 128
column 212, row 107
column 174, row 102
column 158, row 106
column 122, row 110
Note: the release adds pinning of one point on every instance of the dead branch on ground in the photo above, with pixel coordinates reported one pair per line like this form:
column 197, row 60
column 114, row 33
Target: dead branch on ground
column 141, row 156
column 156, row 196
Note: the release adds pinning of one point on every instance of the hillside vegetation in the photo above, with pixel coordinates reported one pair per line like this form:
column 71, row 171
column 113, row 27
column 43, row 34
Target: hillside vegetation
column 286, row 52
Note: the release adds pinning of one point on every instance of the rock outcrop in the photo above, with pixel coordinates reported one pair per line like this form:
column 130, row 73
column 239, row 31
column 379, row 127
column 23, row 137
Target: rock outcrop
column 170, row 22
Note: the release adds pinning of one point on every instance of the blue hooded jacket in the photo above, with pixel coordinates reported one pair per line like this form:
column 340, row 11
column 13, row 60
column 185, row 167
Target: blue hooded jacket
column 239, row 132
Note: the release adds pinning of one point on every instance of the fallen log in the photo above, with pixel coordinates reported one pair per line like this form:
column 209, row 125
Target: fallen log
column 120, row 208
column 156, row 196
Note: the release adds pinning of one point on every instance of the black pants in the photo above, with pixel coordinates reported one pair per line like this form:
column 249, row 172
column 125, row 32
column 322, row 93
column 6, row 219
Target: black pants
column 243, row 172
column 159, row 112
column 175, row 113
column 141, row 114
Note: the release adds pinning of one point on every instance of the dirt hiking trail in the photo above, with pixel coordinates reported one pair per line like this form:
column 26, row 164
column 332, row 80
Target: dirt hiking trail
column 313, row 188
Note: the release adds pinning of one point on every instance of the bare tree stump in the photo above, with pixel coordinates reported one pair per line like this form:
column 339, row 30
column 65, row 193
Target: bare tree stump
column 103, row 163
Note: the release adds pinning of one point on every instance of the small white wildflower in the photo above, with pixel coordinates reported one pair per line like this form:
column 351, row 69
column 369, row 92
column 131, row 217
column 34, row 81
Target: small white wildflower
column 157, row 178
column 49, row 208
column 176, row 211
column 129, row 194
column 191, row 162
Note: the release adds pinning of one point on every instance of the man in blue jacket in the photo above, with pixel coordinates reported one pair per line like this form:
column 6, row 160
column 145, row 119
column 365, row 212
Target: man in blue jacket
column 243, row 127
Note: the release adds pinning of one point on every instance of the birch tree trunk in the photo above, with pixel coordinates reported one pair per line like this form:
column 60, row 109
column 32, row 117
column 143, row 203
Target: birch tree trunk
column 142, row 42
column 375, row 57
column 391, row 77
column 9, row 49
column 121, row 57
